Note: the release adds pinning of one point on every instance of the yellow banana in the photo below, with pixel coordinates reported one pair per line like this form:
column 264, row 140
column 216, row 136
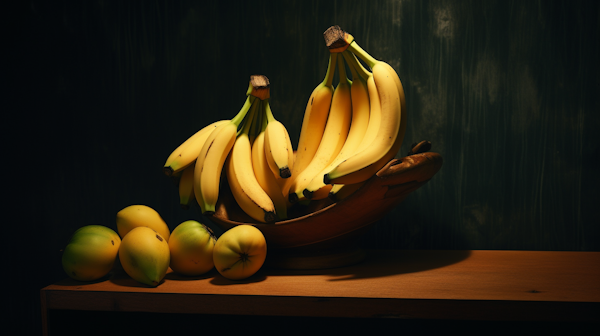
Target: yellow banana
column 369, row 160
column 313, row 123
column 398, row 142
column 265, row 177
column 186, row 186
column 188, row 151
column 359, row 94
column 367, row 173
column 210, row 161
column 278, row 146
column 339, row 192
column 244, row 185
column 334, row 135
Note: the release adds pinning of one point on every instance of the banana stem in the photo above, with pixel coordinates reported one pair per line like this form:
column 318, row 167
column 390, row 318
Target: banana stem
column 265, row 119
column 268, row 111
column 352, row 67
column 251, row 116
column 355, row 64
column 356, row 49
column 259, row 118
column 242, row 114
column 342, row 69
column 328, row 81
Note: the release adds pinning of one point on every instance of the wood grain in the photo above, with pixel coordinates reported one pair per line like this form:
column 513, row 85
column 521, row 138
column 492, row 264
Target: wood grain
column 447, row 285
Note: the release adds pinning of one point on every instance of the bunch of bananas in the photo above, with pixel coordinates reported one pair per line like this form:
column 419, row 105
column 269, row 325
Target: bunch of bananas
column 348, row 133
column 253, row 148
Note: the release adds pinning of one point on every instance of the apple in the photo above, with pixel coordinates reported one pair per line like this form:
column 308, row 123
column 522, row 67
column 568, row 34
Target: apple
column 191, row 245
column 240, row 252
column 144, row 255
column 91, row 252
column 141, row 215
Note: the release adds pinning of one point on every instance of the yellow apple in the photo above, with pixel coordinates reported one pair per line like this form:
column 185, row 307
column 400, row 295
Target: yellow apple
column 191, row 245
column 141, row 215
column 144, row 255
column 240, row 252
column 91, row 252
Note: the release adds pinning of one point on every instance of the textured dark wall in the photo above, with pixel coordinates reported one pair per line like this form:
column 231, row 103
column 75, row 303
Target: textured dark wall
column 506, row 91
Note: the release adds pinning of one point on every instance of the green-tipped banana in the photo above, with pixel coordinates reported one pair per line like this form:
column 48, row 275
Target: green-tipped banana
column 366, row 162
column 265, row 177
column 186, row 186
column 313, row 123
column 242, row 181
column 210, row 161
column 317, row 189
column 184, row 155
column 278, row 145
column 334, row 135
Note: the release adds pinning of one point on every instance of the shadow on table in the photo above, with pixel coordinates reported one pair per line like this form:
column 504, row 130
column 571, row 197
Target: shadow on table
column 380, row 263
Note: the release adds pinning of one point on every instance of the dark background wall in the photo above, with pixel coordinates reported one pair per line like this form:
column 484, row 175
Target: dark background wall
column 100, row 92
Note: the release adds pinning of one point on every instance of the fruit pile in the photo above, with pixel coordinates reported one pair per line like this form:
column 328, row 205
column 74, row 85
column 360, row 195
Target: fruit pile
column 348, row 133
column 146, row 249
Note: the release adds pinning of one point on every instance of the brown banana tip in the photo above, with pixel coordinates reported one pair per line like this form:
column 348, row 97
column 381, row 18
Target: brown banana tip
column 270, row 217
column 326, row 179
column 168, row 171
column 285, row 172
column 208, row 213
column 293, row 198
column 307, row 193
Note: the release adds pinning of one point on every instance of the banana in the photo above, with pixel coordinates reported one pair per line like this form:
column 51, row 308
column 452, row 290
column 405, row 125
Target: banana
column 278, row 146
column 210, row 161
column 244, row 185
column 265, row 177
column 313, row 123
column 188, row 151
column 359, row 94
column 186, row 186
column 366, row 162
column 334, row 135
column 339, row 192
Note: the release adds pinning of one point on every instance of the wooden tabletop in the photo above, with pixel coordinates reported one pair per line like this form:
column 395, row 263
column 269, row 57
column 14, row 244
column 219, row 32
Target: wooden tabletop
column 458, row 285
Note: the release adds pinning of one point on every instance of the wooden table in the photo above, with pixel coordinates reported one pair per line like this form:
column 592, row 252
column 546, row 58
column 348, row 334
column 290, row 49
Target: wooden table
column 398, row 284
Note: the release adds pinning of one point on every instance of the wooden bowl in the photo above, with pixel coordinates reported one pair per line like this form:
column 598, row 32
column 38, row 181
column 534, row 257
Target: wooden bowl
column 326, row 234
